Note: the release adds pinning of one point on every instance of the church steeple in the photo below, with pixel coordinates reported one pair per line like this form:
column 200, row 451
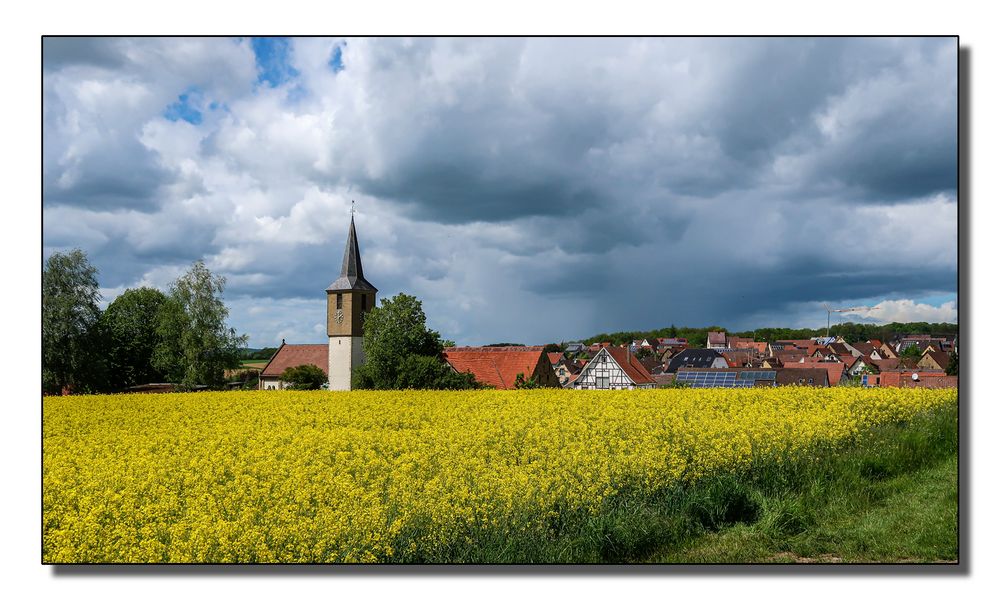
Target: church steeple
column 352, row 275
column 348, row 300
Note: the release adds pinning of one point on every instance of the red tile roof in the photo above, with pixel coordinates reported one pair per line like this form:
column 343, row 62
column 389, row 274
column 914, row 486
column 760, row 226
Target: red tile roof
column 797, row 343
column 737, row 358
column 895, row 363
column 849, row 360
column 924, row 381
column 293, row 355
column 835, row 370
column 790, row 355
column 631, row 365
column 555, row 357
column 496, row 366
column 717, row 337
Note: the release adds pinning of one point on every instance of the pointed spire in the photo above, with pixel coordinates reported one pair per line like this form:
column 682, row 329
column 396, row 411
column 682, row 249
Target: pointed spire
column 352, row 256
column 351, row 273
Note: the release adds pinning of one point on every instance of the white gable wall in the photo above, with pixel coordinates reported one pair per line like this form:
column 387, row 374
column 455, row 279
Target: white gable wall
column 603, row 373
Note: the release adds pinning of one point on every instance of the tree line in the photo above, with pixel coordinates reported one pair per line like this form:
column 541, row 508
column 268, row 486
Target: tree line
column 143, row 336
column 851, row 332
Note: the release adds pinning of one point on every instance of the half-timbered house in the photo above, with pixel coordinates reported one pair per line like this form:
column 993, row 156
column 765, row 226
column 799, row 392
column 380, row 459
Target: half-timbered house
column 614, row 369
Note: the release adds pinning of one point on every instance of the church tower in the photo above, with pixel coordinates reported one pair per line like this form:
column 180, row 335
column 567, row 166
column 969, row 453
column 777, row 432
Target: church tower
column 347, row 300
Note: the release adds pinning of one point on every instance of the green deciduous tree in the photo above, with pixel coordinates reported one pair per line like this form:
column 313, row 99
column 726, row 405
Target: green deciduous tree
column 952, row 368
column 304, row 377
column 430, row 372
column 72, row 347
column 195, row 345
column 521, row 384
column 397, row 344
column 130, row 324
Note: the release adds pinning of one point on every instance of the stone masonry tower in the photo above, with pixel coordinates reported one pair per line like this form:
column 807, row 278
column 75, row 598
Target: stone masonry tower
column 347, row 300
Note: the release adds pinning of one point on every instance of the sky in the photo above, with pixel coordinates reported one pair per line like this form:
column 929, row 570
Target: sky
column 525, row 190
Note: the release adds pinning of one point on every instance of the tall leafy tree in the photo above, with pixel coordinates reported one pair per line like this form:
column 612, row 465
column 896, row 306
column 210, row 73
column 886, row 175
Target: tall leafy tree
column 195, row 345
column 71, row 341
column 952, row 368
column 401, row 352
column 130, row 324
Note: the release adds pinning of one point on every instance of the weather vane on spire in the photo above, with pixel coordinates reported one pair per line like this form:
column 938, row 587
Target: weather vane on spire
column 352, row 209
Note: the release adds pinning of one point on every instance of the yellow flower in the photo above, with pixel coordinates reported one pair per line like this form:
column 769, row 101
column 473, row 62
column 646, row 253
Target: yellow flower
column 374, row 476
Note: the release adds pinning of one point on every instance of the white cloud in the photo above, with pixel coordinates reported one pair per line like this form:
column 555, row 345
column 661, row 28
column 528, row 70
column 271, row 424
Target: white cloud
column 525, row 189
column 902, row 311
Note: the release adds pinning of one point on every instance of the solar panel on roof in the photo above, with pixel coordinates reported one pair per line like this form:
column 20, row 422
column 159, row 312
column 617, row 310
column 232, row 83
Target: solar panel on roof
column 708, row 378
column 757, row 375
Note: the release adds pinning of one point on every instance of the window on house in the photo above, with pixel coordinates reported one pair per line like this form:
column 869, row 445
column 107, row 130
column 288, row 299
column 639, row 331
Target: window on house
column 340, row 301
column 603, row 383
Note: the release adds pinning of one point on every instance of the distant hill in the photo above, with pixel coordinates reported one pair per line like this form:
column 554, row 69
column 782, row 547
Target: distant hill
column 264, row 354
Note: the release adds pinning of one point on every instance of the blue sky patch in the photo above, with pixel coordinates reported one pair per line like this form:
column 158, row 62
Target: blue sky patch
column 337, row 59
column 272, row 55
column 184, row 108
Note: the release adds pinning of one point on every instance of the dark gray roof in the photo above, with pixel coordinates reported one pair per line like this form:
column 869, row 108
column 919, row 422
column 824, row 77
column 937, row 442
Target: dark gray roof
column 352, row 276
column 692, row 358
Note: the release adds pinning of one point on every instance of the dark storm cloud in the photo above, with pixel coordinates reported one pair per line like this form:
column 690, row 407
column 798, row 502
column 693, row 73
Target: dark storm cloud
column 536, row 188
column 59, row 52
column 459, row 193
column 560, row 150
column 125, row 175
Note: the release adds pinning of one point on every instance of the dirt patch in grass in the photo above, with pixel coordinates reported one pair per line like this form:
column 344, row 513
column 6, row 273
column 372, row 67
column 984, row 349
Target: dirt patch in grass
column 793, row 557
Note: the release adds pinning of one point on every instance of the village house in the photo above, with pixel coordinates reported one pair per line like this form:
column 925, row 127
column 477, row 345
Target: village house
column 292, row 355
column 701, row 358
column 637, row 345
column 905, row 378
column 653, row 365
column 862, row 366
column 565, row 369
column 716, row 339
column 933, row 382
column 934, row 359
column 815, row 377
column 740, row 358
column 725, row 377
column 835, row 370
column 673, row 344
column 886, row 350
column 614, row 368
column 499, row 366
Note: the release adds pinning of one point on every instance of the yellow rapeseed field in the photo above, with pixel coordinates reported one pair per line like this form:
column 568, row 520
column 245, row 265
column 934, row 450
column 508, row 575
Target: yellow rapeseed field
column 378, row 476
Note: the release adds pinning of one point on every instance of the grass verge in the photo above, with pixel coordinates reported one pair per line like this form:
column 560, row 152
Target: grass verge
column 889, row 496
